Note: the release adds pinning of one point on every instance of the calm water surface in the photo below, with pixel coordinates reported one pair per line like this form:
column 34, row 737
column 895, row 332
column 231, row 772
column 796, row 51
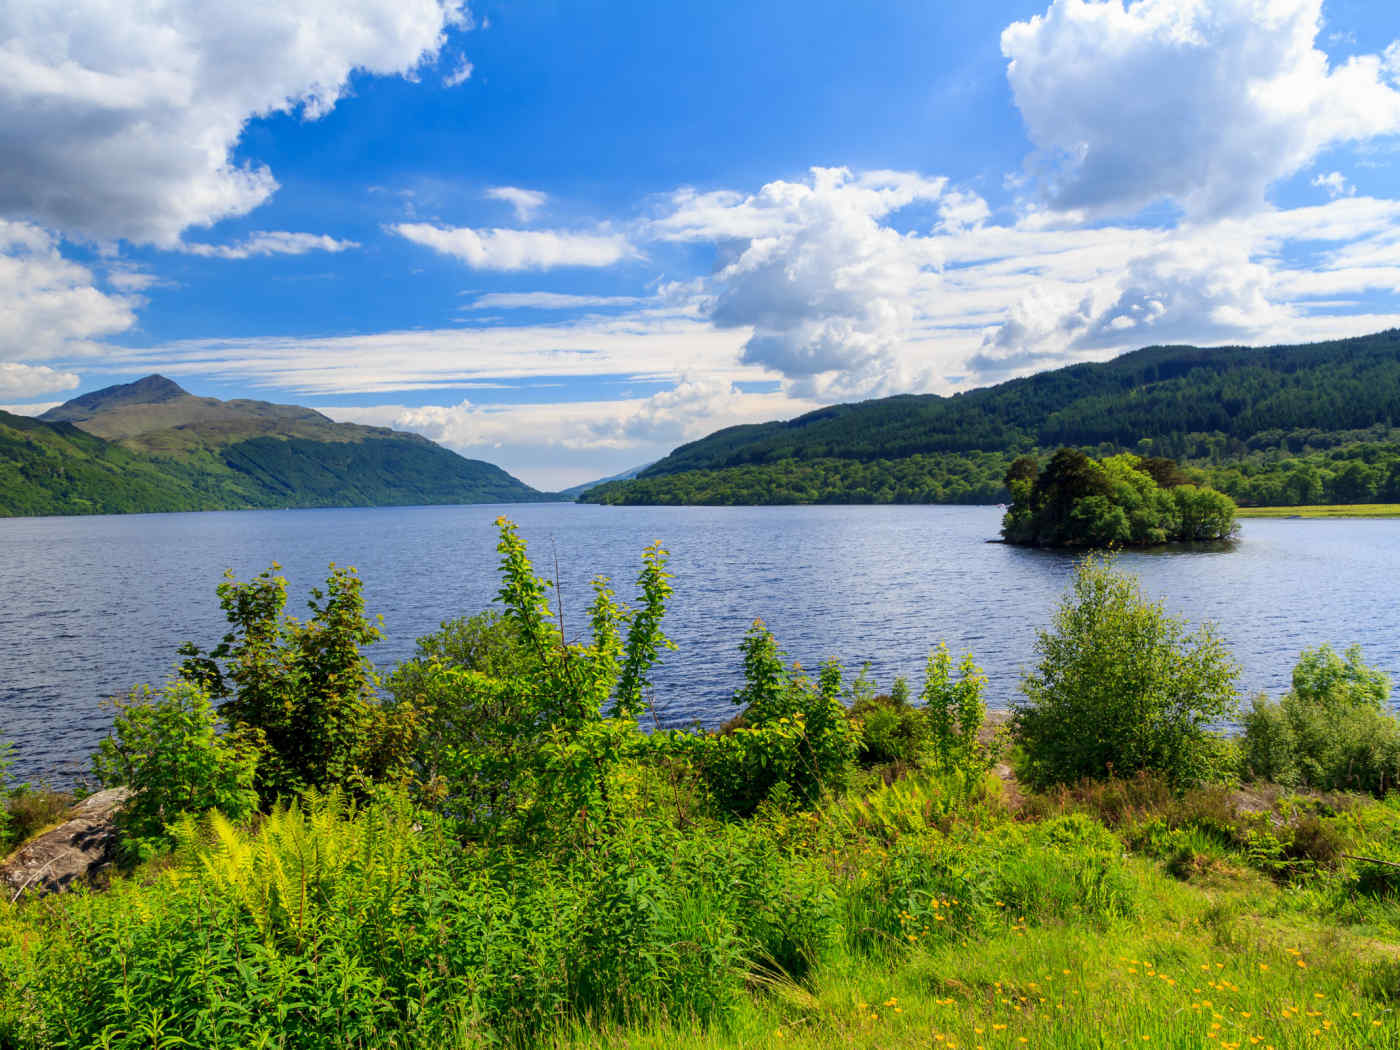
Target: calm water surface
column 90, row 606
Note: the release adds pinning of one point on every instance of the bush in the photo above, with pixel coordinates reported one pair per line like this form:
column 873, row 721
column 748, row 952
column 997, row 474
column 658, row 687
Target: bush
column 1122, row 687
column 793, row 736
column 304, row 686
column 166, row 747
column 891, row 730
column 1330, row 731
column 955, row 712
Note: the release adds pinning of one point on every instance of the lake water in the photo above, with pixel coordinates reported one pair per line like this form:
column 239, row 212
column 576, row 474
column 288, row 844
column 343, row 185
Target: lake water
column 90, row 606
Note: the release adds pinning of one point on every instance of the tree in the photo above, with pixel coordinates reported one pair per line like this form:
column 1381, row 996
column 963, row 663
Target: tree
column 303, row 685
column 1330, row 731
column 1122, row 687
column 166, row 746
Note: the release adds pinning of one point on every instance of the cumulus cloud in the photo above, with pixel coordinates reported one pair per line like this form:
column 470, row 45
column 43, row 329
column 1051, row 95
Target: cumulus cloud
column 525, row 202
column 268, row 242
column 21, row 380
column 49, row 306
column 1205, row 103
column 499, row 249
column 824, row 286
column 119, row 120
column 1198, row 290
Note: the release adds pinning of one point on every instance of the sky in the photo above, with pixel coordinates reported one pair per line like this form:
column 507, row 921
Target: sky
column 566, row 237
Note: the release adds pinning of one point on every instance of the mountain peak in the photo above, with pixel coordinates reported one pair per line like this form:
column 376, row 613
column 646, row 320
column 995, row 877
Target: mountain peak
column 150, row 390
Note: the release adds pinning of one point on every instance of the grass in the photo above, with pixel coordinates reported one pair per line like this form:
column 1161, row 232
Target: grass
column 1335, row 510
column 1225, row 963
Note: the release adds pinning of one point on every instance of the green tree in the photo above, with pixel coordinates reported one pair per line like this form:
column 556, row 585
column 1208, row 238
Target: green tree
column 1122, row 687
column 523, row 728
column 304, row 685
column 1330, row 731
column 165, row 745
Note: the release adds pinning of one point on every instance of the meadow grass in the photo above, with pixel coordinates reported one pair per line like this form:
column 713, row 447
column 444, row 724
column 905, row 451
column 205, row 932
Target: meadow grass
column 1226, row 963
column 1335, row 510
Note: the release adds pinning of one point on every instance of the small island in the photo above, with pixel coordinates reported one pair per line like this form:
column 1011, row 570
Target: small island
column 1079, row 502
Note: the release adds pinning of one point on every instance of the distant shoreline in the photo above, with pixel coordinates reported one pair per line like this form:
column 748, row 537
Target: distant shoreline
column 1334, row 510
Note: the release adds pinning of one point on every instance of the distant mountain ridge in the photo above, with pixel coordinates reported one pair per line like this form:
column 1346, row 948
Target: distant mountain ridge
column 151, row 445
column 1185, row 402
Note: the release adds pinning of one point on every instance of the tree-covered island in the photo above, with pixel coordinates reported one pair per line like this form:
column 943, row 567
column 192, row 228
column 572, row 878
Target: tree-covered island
column 1119, row 501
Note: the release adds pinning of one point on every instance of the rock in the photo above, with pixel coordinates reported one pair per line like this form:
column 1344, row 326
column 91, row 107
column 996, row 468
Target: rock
column 71, row 853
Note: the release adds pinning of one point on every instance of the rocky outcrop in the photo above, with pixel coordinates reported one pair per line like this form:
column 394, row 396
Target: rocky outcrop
column 75, row 851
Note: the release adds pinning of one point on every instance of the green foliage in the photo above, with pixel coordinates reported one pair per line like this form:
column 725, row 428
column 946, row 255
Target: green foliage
column 1121, row 687
column 165, row 746
column 793, row 739
column 1274, row 426
column 1116, row 502
column 522, row 729
column 955, row 712
column 303, row 686
column 891, row 730
column 1331, row 731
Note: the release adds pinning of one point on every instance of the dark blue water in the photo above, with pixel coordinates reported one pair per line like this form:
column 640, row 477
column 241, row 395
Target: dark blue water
column 90, row 606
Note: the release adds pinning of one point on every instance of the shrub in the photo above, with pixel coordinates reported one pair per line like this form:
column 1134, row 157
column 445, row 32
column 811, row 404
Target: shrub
column 955, row 712
column 793, row 734
column 304, row 686
column 1122, row 687
column 890, row 729
column 1330, row 731
column 166, row 747
column 521, row 730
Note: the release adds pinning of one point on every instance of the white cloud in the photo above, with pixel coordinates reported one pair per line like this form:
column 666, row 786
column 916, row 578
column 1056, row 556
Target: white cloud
column 20, row 380
column 461, row 73
column 1193, row 290
column 809, row 267
column 119, row 120
column 268, row 242
column 1335, row 183
column 49, row 307
column 1202, row 102
column 558, row 444
column 656, row 344
column 30, row 408
column 525, row 202
column 518, row 249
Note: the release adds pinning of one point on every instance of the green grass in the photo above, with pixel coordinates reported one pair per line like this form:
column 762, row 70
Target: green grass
column 1336, row 510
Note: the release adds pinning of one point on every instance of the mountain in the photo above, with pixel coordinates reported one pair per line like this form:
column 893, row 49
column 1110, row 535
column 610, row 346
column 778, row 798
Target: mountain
column 579, row 490
column 1211, row 406
column 152, row 446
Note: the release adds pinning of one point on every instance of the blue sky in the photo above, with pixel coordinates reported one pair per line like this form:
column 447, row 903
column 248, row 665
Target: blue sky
column 565, row 237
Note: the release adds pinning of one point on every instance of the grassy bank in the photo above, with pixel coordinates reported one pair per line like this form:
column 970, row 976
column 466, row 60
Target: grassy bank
column 1336, row 510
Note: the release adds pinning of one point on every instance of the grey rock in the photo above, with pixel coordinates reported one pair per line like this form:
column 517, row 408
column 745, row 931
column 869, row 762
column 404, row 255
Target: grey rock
column 75, row 851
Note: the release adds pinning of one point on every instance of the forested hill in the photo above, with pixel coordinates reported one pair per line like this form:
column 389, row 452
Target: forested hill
column 1155, row 393
column 1212, row 406
column 151, row 446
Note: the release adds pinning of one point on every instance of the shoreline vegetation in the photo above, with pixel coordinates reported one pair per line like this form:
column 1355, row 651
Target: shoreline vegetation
column 483, row 847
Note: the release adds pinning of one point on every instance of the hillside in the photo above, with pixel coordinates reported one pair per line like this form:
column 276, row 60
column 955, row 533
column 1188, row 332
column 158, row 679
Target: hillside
column 152, row 446
column 1232, row 407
